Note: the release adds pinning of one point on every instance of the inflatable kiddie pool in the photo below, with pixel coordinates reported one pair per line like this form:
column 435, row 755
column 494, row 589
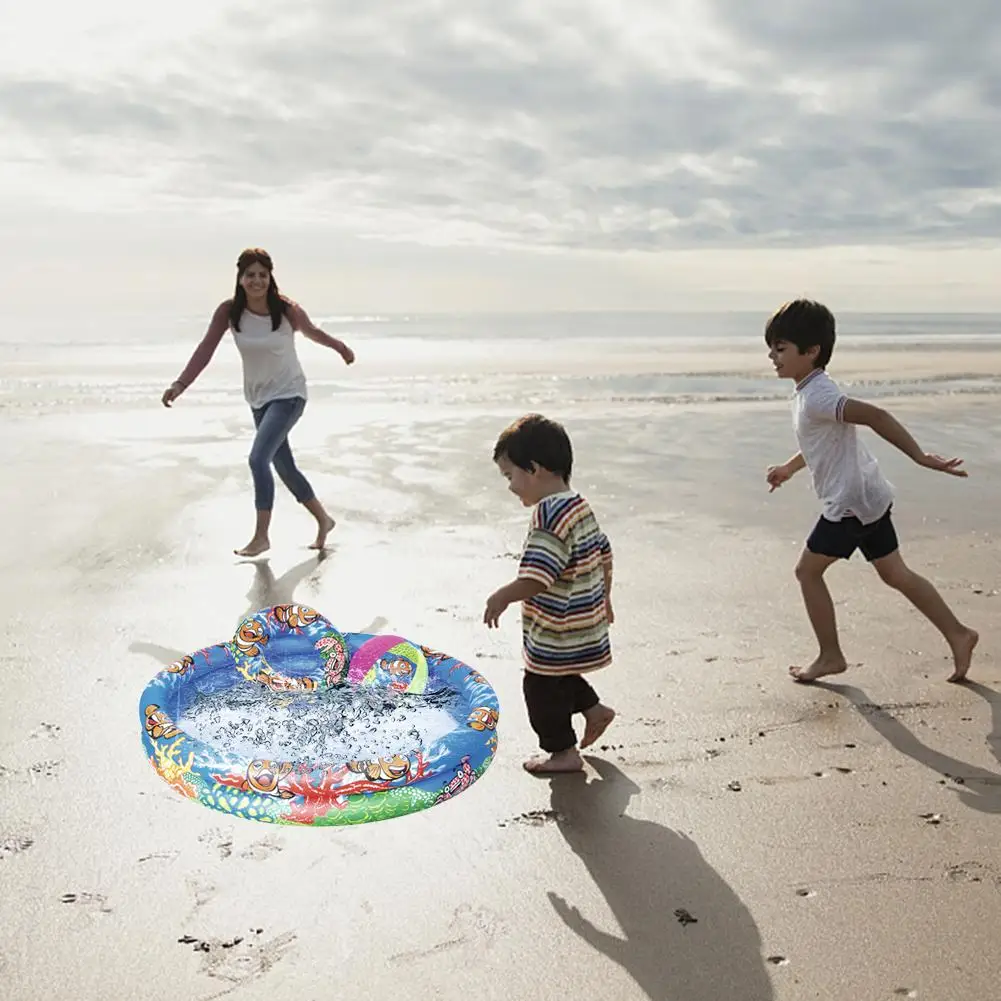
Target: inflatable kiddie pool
column 289, row 723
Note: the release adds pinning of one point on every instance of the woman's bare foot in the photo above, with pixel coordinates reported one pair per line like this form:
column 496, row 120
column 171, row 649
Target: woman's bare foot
column 559, row 763
column 820, row 668
column 597, row 719
column 962, row 653
column 255, row 547
column 323, row 529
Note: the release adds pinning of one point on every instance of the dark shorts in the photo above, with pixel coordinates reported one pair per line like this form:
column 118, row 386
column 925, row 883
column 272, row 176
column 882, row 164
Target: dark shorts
column 840, row 539
column 552, row 702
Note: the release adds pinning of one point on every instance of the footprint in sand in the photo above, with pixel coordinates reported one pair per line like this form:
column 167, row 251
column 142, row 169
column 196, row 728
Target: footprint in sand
column 532, row 818
column 263, row 849
column 91, row 901
column 240, row 959
column 14, row 844
column 670, row 782
column 45, row 731
column 478, row 922
column 974, row 872
column 39, row 770
column 167, row 856
column 200, row 945
column 219, row 840
column 202, row 890
column 44, row 770
column 471, row 929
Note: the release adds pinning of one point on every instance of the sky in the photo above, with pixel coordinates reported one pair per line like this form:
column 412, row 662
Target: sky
column 438, row 155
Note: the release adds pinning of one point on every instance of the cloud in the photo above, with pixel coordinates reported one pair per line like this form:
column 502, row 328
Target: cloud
column 559, row 125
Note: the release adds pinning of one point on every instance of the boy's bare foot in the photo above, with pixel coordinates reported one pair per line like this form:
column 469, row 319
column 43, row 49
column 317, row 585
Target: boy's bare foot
column 597, row 719
column 255, row 547
column 323, row 530
column 820, row 668
column 962, row 653
column 559, row 763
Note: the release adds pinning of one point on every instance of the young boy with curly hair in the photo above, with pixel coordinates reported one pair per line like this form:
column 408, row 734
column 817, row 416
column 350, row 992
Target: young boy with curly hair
column 564, row 584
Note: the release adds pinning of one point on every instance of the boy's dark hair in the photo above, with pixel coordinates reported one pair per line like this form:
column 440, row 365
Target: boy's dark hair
column 806, row 324
column 536, row 439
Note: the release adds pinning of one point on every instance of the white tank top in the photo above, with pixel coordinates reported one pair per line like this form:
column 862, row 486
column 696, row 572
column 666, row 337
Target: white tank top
column 271, row 369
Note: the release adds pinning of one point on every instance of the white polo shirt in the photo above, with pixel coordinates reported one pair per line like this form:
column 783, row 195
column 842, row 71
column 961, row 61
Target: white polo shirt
column 846, row 476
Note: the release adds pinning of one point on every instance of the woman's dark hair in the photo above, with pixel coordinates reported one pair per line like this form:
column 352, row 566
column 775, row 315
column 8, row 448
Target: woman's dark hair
column 805, row 323
column 278, row 304
column 536, row 440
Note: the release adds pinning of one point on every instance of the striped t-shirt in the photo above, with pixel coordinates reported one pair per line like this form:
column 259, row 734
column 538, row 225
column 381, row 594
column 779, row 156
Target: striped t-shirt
column 565, row 628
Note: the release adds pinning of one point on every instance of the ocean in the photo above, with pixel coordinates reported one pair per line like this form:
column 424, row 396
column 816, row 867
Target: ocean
column 480, row 360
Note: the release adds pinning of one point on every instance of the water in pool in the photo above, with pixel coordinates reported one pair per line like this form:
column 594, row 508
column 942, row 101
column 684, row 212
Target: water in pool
column 349, row 723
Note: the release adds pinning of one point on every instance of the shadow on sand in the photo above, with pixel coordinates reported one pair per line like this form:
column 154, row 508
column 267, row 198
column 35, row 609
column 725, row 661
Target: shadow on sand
column 268, row 590
column 265, row 591
column 652, row 878
column 979, row 789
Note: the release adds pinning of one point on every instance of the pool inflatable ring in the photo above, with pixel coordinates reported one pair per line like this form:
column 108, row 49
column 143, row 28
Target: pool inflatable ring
column 294, row 651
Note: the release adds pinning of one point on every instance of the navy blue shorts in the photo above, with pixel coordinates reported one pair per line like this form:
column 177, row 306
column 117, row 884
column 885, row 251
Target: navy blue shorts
column 839, row 539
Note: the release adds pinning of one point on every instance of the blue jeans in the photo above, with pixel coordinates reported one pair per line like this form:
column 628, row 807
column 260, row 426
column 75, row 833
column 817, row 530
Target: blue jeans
column 273, row 422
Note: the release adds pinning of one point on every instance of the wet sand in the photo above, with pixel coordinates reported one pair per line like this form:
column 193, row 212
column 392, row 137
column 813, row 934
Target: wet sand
column 735, row 835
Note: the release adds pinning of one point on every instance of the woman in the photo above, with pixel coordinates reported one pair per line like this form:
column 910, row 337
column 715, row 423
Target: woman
column 263, row 324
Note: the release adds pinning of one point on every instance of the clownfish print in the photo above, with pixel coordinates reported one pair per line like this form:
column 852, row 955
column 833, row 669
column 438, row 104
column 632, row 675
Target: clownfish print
column 263, row 777
column 182, row 666
column 483, row 718
column 159, row 724
column 250, row 638
column 382, row 768
column 270, row 678
column 294, row 616
column 401, row 671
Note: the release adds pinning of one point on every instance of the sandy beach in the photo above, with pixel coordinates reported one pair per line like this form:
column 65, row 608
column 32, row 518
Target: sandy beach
column 735, row 836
